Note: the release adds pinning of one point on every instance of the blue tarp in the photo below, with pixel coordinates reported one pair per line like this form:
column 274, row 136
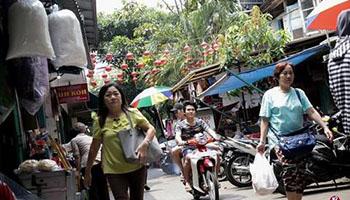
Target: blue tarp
column 231, row 82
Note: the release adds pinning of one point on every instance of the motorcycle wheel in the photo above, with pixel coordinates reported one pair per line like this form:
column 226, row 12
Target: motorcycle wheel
column 239, row 179
column 222, row 174
column 213, row 185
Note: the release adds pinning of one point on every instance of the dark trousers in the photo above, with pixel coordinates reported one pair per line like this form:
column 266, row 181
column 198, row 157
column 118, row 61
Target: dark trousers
column 98, row 189
column 133, row 181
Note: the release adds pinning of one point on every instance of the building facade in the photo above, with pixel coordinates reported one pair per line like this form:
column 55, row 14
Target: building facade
column 291, row 15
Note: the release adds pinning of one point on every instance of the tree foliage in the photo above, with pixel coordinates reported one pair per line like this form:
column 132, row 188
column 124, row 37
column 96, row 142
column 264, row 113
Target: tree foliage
column 239, row 36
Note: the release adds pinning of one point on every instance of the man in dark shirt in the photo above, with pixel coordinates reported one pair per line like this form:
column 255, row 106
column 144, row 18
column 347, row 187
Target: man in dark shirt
column 187, row 129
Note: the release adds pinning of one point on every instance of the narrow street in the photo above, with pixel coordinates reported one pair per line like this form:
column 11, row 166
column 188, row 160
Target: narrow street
column 169, row 187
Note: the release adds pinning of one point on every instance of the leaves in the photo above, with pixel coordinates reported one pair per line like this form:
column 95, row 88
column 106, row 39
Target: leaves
column 239, row 37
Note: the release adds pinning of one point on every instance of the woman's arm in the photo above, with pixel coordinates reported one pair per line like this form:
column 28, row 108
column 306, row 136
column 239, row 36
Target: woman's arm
column 142, row 148
column 149, row 130
column 264, row 126
column 94, row 148
column 313, row 114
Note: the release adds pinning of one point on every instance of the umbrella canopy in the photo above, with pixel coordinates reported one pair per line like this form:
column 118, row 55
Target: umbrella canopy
column 152, row 96
column 324, row 16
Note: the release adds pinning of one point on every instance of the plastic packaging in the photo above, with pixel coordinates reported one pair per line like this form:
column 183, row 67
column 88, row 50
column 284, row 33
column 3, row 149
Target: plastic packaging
column 67, row 39
column 28, row 166
column 47, row 165
column 32, row 82
column 28, row 30
column 263, row 177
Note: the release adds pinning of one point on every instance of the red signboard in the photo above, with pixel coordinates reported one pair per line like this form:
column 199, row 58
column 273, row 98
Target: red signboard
column 72, row 93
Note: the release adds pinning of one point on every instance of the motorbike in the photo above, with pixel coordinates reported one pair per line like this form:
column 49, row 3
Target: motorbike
column 327, row 161
column 166, row 162
column 242, row 152
column 204, row 179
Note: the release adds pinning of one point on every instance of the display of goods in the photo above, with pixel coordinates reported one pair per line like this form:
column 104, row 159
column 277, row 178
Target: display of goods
column 47, row 165
column 28, row 166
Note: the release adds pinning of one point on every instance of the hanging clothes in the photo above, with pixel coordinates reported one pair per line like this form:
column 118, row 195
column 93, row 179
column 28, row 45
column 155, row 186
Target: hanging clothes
column 339, row 69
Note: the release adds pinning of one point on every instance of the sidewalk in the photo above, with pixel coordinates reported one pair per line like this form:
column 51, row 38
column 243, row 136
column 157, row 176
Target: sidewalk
column 154, row 174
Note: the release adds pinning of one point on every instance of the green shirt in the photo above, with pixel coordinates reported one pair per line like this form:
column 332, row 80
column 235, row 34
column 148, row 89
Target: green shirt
column 113, row 161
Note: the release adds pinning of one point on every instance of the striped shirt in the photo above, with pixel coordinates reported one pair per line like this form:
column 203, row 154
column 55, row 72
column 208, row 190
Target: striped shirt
column 339, row 79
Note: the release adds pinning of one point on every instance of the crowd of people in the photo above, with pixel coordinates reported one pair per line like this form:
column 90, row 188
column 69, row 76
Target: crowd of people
column 281, row 110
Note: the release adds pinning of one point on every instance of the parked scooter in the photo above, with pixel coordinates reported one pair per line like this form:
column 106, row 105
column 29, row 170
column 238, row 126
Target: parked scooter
column 327, row 161
column 242, row 152
column 203, row 164
column 166, row 162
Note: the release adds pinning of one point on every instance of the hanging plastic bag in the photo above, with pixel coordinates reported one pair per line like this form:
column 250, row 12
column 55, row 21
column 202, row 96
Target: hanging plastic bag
column 31, row 78
column 28, row 29
column 263, row 177
column 67, row 39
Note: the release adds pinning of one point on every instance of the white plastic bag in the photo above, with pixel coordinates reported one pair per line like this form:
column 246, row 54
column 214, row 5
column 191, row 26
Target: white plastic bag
column 67, row 39
column 263, row 177
column 28, row 29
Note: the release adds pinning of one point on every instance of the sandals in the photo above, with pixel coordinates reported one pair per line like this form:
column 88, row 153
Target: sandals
column 182, row 179
column 188, row 187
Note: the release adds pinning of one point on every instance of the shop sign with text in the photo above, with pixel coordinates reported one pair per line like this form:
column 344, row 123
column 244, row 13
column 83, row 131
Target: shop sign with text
column 72, row 93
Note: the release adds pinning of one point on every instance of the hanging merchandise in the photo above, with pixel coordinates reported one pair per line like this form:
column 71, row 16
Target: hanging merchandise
column 32, row 82
column 67, row 39
column 28, row 30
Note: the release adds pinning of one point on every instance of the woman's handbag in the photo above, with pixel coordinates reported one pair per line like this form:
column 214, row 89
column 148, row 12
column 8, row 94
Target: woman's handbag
column 296, row 144
column 131, row 138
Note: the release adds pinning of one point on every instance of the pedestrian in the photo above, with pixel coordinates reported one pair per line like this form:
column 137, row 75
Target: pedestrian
column 80, row 146
column 112, row 118
column 186, row 130
column 282, row 111
column 339, row 69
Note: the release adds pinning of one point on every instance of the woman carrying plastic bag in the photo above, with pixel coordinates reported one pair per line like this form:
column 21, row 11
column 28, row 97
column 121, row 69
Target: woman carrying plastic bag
column 263, row 177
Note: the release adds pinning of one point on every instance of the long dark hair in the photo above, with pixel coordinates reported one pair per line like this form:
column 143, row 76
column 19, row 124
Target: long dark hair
column 102, row 108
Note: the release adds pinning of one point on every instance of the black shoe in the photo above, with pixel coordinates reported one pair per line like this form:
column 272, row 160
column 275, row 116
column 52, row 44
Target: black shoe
column 147, row 188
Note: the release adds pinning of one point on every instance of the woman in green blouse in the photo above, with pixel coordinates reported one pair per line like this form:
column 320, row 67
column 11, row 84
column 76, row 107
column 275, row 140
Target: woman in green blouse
column 110, row 119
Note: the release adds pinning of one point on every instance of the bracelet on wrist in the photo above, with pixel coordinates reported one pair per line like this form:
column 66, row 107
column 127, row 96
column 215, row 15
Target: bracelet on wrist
column 262, row 142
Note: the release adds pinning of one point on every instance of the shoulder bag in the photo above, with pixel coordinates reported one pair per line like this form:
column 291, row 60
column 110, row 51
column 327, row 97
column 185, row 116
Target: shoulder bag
column 131, row 138
column 298, row 143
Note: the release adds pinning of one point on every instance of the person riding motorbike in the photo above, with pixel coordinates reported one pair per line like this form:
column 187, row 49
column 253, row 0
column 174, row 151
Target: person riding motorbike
column 187, row 129
column 176, row 151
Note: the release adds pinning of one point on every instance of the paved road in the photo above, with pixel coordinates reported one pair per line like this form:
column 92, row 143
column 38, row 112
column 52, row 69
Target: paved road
column 167, row 187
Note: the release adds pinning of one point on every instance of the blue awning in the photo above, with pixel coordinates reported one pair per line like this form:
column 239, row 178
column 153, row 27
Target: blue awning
column 230, row 82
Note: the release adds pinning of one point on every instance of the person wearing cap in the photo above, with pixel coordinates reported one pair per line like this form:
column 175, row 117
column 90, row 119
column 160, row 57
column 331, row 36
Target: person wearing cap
column 176, row 151
column 81, row 146
column 187, row 129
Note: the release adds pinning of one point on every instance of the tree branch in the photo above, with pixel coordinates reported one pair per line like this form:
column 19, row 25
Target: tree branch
column 167, row 5
column 177, row 7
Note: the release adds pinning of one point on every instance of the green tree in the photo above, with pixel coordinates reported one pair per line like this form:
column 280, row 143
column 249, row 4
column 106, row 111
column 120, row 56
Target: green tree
column 239, row 36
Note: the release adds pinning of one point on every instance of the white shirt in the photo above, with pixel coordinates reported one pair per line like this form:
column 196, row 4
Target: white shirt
column 81, row 147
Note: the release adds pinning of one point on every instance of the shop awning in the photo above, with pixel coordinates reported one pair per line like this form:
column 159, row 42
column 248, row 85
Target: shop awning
column 198, row 74
column 230, row 82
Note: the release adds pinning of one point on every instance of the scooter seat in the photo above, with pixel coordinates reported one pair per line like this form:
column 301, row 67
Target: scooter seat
column 323, row 139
